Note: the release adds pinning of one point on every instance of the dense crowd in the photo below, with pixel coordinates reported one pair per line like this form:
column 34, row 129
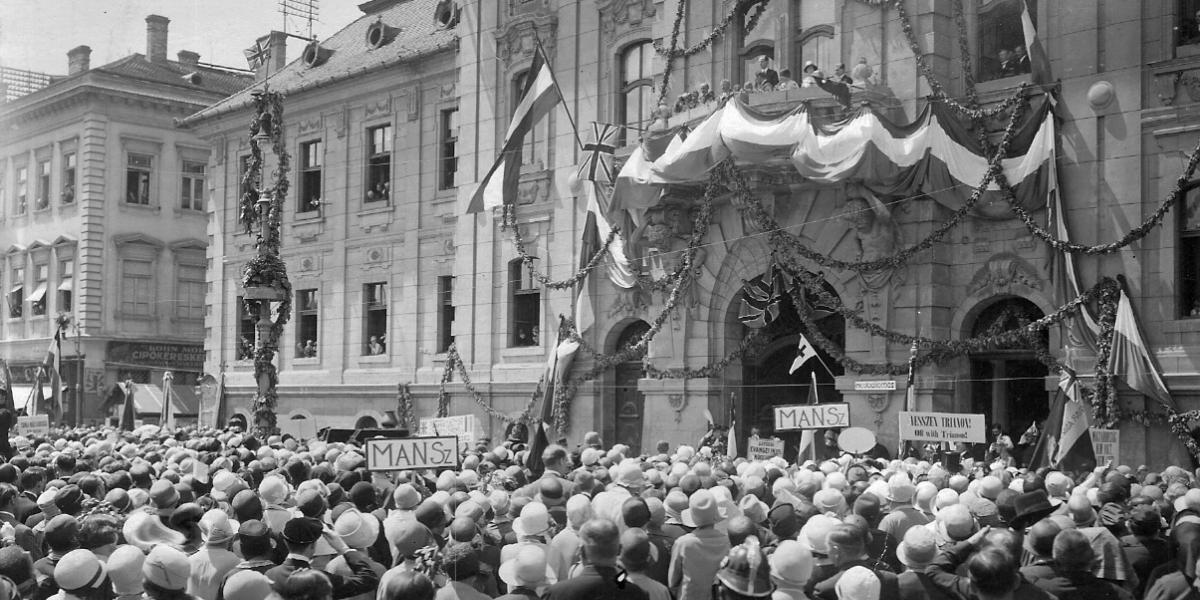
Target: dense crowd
column 100, row 514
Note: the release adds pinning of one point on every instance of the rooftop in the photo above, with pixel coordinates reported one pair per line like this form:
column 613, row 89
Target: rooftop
column 350, row 54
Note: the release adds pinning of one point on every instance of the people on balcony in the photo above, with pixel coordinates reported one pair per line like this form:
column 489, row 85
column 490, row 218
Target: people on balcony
column 766, row 76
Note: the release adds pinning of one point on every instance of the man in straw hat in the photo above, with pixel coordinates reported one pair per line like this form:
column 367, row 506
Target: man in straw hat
column 598, row 579
column 213, row 562
column 697, row 555
column 916, row 551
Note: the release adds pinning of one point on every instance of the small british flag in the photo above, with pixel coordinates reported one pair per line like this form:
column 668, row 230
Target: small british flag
column 598, row 155
column 257, row 54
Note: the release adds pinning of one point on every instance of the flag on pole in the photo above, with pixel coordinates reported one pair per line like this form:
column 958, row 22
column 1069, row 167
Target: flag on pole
column 128, row 411
column 807, row 441
column 1081, row 332
column 1130, row 359
column 6, row 394
column 52, row 371
column 804, row 352
column 1039, row 63
column 539, row 97
column 167, row 418
column 731, row 446
column 258, row 53
column 1066, row 442
column 557, row 366
column 597, row 163
column 910, row 389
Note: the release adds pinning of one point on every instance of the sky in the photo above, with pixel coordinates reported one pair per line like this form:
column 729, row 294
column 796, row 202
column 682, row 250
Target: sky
column 36, row 34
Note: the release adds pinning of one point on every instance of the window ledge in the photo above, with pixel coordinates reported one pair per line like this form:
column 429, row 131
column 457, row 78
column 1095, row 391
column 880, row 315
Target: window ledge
column 311, row 216
column 375, row 359
column 189, row 212
column 131, row 207
column 1183, row 325
column 41, row 211
column 306, row 362
column 135, row 316
column 522, row 351
column 373, row 208
column 243, row 363
column 446, row 195
column 187, row 320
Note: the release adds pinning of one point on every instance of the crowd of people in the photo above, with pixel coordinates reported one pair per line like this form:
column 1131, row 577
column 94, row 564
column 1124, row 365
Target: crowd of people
column 98, row 513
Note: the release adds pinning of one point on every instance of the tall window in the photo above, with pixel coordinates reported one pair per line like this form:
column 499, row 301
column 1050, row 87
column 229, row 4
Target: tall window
column 137, row 287
column 445, row 292
column 37, row 300
column 375, row 318
column 137, row 178
column 16, row 293
column 191, row 186
column 379, row 163
column 310, row 176
column 66, row 284
column 245, row 328
column 68, row 178
column 43, row 185
column 22, row 203
column 1001, row 38
column 190, row 287
column 449, row 155
column 525, row 305
column 637, row 87
column 307, row 323
column 1189, row 257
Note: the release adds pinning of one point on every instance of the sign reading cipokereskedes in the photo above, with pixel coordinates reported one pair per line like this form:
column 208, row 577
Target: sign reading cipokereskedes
column 412, row 453
column 812, row 416
column 942, row 427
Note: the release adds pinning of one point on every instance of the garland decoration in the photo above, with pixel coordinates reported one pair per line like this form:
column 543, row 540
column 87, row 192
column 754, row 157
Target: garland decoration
column 267, row 269
column 680, row 10
column 1104, row 396
column 1179, row 425
column 748, row 346
column 404, row 407
column 510, row 218
column 443, row 401
column 673, row 51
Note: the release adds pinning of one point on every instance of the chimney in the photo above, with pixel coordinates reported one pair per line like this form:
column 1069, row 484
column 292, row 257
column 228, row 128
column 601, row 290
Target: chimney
column 277, row 60
column 79, row 59
column 188, row 58
column 156, row 38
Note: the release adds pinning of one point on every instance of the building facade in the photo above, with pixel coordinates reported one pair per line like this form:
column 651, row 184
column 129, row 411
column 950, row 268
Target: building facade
column 370, row 121
column 386, row 277
column 103, row 205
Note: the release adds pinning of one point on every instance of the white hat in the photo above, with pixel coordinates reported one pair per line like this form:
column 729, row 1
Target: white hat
column 534, row 520
column 528, row 568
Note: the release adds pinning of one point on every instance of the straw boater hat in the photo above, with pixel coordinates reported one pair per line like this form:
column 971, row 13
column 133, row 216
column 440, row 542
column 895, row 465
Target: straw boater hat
column 918, row 548
column 527, row 568
column 534, row 520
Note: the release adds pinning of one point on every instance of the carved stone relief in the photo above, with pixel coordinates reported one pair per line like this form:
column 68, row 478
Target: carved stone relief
column 624, row 14
column 1001, row 272
column 515, row 42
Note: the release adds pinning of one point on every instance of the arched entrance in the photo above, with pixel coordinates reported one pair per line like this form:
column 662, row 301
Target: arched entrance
column 766, row 381
column 629, row 402
column 1008, row 383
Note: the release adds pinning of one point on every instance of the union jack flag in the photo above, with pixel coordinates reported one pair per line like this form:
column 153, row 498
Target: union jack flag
column 257, row 54
column 598, row 155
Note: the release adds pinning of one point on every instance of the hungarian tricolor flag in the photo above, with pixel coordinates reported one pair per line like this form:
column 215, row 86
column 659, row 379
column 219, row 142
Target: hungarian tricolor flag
column 807, row 438
column 557, row 367
column 51, row 372
column 1039, row 63
column 1130, row 359
column 1066, row 441
column 539, row 97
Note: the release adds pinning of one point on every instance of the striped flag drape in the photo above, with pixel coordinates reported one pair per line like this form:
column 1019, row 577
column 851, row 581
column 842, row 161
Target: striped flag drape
column 52, row 371
column 540, row 96
column 1130, row 359
column 167, row 418
column 1066, row 442
column 1039, row 62
column 808, row 436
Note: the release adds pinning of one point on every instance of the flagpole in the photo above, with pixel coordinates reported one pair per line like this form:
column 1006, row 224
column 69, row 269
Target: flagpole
column 574, row 129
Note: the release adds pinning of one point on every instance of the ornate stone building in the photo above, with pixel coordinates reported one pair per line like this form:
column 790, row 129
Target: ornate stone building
column 103, row 206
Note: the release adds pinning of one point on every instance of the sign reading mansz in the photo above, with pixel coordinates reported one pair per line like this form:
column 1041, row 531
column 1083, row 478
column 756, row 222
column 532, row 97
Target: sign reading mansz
column 185, row 357
column 812, row 416
column 412, row 453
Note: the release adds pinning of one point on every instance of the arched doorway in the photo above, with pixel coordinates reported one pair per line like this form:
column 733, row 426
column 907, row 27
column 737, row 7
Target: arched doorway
column 766, row 381
column 1008, row 383
column 629, row 402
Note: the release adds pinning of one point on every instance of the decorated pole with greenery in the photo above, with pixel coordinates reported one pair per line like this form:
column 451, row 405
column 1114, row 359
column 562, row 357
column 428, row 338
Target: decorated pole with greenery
column 264, row 278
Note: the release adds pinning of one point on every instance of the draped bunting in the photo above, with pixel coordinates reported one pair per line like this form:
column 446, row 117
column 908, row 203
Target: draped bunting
column 935, row 154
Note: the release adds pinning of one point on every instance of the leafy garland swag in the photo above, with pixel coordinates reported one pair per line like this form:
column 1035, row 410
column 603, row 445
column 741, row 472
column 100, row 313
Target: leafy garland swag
column 267, row 269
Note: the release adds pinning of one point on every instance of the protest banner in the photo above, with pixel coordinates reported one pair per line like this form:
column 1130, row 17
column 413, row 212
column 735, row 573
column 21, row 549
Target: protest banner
column 1107, row 444
column 464, row 427
column 412, row 453
column 942, row 427
column 37, row 425
column 812, row 416
column 760, row 448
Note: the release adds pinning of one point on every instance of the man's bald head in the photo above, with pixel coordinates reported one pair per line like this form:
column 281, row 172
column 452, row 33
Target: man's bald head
column 600, row 542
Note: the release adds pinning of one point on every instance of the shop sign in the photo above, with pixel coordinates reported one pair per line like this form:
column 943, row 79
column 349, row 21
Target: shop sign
column 412, row 453
column 185, row 357
column 942, row 427
column 875, row 385
column 1107, row 445
column 764, row 448
column 812, row 416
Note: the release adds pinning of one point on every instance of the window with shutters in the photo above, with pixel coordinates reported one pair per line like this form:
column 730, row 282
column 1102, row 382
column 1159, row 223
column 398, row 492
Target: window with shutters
column 525, row 305
column 138, row 172
column 68, row 178
column 307, row 323
column 375, row 318
column 311, row 160
column 445, row 291
column 66, row 284
column 37, row 298
column 137, row 287
column 191, row 186
column 190, row 286
column 43, row 185
column 16, row 293
column 379, row 163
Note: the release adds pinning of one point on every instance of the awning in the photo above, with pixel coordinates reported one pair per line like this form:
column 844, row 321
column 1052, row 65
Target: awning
column 185, row 400
column 23, row 394
column 148, row 400
column 67, row 285
column 38, row 293
column 16, row 288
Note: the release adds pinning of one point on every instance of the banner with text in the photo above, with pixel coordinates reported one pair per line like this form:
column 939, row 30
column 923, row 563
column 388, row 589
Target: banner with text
column 464, row 427
column 412, row 453
column 812, row 416
column 1107, row 444
column 37, row 425
column 764, row 448
column 942, row 427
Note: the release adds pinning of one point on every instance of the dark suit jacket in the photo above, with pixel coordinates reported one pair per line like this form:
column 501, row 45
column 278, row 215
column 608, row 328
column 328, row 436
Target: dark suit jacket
column 942, row 572
column 594, row 583
column 25, row 536
column 889, row 588
column 916, row 585
column 25, row 507
column 534, row 487
column 363, row 580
